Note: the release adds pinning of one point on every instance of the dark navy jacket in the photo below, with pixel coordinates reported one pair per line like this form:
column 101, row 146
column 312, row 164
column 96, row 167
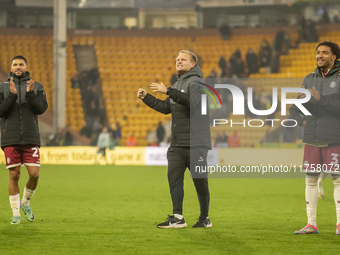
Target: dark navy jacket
column 189, row 127
column 18, row 112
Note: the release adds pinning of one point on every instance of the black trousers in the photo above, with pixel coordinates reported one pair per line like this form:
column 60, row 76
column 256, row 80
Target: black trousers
column 178, row 161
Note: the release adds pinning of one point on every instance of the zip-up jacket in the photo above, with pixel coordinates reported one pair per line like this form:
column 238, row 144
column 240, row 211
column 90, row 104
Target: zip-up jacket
column 189, row 127
column 18, row 112
column 324, row 123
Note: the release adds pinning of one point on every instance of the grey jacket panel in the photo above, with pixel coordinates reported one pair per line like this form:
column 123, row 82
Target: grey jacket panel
column 324, row 123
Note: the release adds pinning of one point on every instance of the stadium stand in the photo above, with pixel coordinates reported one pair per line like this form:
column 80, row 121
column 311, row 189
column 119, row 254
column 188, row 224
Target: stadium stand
column 126, row 63
column 39, row 52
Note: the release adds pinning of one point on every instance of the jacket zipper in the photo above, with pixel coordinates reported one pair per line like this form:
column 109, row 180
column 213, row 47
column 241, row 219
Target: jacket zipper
column 317, row 121
column 36, row 126
column 21, row 141
column 5, row 125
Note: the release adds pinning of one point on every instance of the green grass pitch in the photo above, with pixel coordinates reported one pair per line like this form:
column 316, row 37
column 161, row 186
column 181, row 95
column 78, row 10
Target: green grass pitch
column 114, row 210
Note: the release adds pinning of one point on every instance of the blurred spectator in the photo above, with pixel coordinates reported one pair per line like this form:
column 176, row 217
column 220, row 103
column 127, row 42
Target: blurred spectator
column 336, row 18
column 93, row 108
column 265, row 45
column 88, row 95
column 222, row 63
column 131, row 141
column 62, row 138
column 265, row 59
column 96, row 129
column 96, row 125
column 232, row 65
column 225, row 31
column 160, row 133
column 325, row 16
column 311, row 33
column 84, row 79
column 52, row 140
column 286, row 45
column 301, row 21
column 238, row 53
column 68, row 137
column 252, row 61
column 265, row 55
column 93, row 75
column 104, row 141
column 279, row 40
column 86, row 130
column 59, row 137
column 111, row 129
column 239, row 68
column 234, row 140
column 221, row 140
column 75, row 81
column 117, row 132
column 275, row 62
column 212, row 74
column 101, row 111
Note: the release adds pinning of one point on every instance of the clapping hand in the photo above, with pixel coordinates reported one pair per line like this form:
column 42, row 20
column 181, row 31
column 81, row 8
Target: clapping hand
column 314, row 93
column 30, row 86
column 12, row 87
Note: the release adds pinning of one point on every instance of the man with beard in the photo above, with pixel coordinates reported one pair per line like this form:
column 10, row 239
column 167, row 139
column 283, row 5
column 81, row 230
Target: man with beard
column 322, row 130
column 21, row 100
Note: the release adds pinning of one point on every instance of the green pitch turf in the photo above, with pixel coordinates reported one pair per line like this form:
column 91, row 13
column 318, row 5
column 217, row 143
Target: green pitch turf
column 114, row 210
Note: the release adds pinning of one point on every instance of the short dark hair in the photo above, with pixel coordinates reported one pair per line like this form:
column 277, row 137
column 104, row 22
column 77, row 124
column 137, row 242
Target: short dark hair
column 334, row 47
column 19, row 57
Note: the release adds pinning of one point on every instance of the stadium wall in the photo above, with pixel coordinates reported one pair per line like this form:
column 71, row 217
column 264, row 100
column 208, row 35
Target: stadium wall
column 149, row 32
column 161, row 32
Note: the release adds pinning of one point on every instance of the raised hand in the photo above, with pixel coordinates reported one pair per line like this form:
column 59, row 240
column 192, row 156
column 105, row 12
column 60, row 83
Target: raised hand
column 156, row 87
column 30, row 86
column 141, row 93
column 12, row 87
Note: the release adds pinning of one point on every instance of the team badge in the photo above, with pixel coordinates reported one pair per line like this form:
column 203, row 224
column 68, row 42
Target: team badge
column 332, row 85
column 8, row 160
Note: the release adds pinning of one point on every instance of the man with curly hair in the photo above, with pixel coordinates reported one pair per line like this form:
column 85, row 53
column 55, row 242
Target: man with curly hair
column 322, row 130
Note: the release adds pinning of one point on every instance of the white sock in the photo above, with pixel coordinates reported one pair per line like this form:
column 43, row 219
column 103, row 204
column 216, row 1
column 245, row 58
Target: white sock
column 14, row 201
column 26, row 197
column 178, row 216
column 312, row 196
column 336, row 182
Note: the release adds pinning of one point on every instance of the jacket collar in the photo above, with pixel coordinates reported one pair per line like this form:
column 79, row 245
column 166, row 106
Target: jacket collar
column 26, row 77
column 335, row 69
column 195, row 71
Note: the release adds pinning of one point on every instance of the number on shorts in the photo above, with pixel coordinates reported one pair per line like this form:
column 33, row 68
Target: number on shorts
column 35, row 153
column 334, row 158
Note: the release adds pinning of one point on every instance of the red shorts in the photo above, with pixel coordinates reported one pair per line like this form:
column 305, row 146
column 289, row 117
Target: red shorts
column 18, row 155
column 322, row 159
